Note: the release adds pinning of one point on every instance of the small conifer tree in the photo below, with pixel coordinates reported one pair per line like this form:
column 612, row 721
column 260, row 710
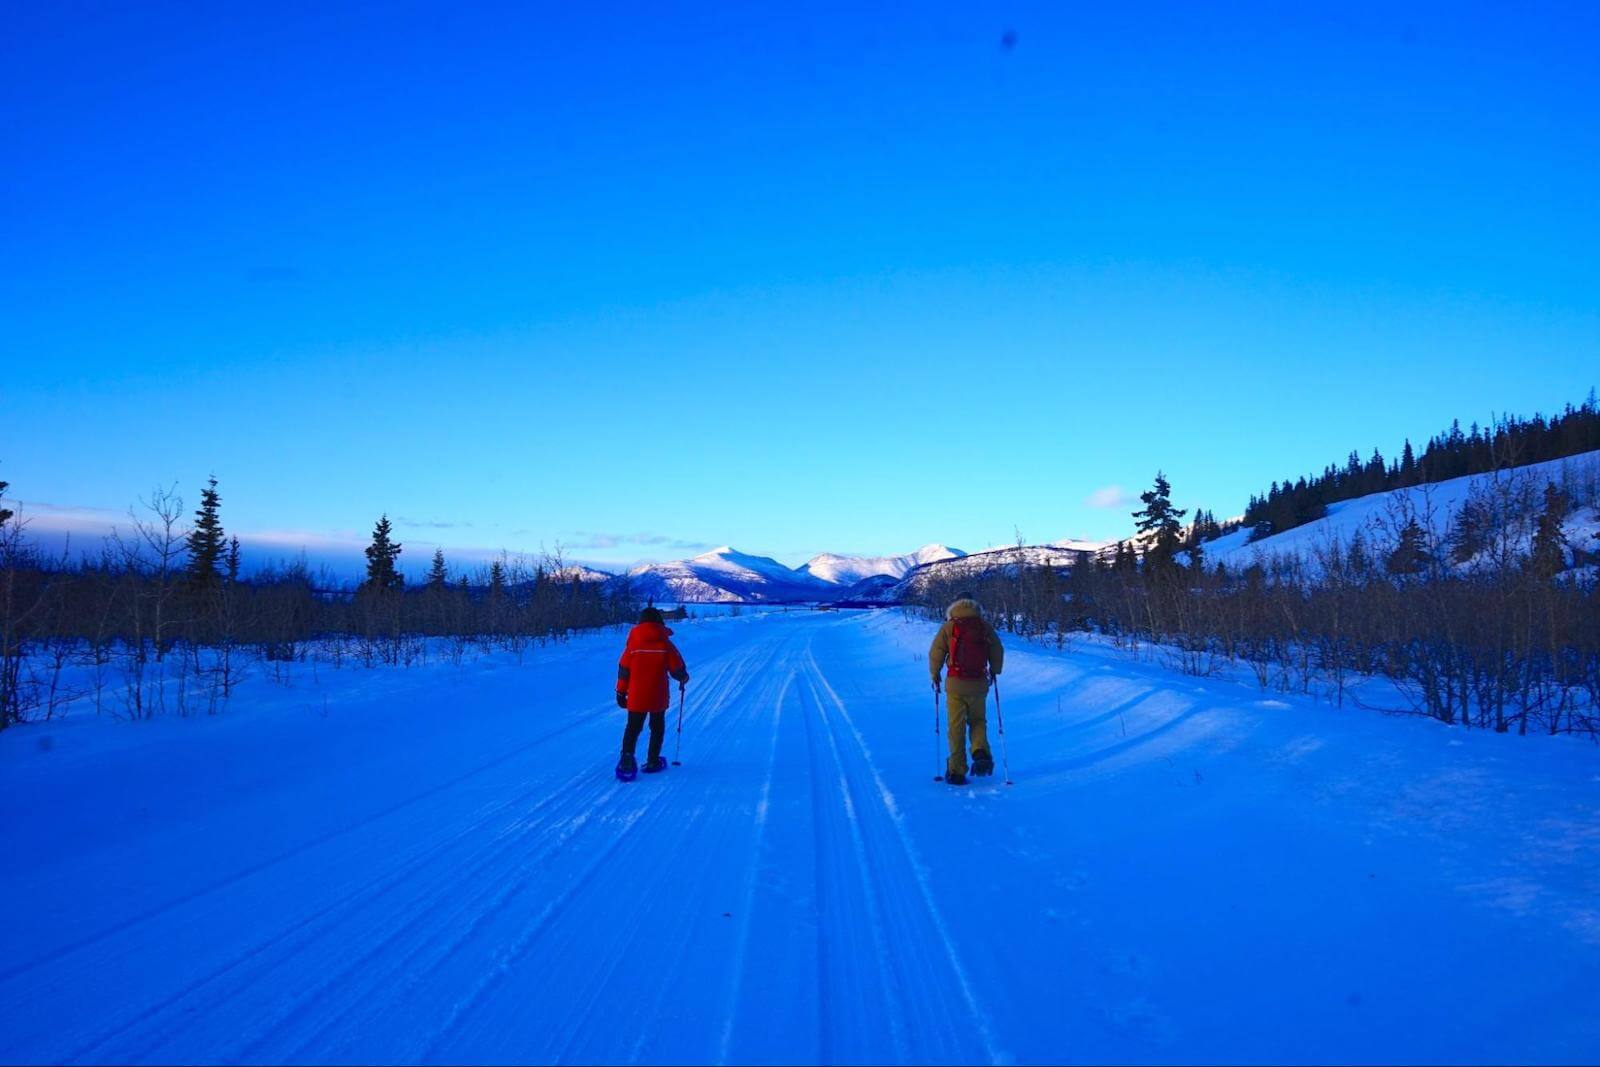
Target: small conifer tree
column 206, row 541
column 382, row 554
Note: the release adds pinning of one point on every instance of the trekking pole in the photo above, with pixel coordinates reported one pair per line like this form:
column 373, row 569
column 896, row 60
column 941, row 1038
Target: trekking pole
column 677, row 745
column 938, row 753
column 1005, row 761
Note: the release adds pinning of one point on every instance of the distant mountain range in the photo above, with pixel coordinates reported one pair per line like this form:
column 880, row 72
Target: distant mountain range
column 977, row 564
column 726, row 575
column 845, row 571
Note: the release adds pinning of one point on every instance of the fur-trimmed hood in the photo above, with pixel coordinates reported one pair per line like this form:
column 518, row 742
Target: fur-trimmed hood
column 965, row 608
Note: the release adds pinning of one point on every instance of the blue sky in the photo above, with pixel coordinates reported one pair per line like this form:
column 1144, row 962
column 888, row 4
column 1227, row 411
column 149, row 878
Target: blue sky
column 644, row 280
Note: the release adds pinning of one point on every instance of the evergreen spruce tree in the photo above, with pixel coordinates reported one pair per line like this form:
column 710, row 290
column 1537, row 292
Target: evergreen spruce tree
column 1410, row 555
column 1548, row 556
column 1160, row 518
column 231, row 560
column 1468, row 532
column 1375, row 474
column 437, row 573
column 5, row 512
column 206, row 541
column 497, row 578
column 382, row 574
column 1357, row 559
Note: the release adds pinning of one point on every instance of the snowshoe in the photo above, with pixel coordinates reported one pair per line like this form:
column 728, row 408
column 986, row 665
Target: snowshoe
column 654, row 764
column 982, row 764
column 627, row 769
column 956, row 779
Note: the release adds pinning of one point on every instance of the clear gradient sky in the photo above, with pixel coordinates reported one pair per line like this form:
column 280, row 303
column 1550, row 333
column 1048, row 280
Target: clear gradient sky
column 641, row 280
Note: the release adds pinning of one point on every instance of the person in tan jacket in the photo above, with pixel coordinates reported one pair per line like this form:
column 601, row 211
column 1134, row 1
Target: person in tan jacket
column 969, row 651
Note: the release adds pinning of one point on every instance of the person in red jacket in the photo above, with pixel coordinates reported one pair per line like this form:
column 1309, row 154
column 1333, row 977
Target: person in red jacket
column 648, row 660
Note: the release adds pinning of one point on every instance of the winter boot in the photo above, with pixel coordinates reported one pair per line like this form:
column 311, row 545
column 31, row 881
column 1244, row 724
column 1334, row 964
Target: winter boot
column 654, row 764
column 956, row 779
column 982, row 763
column 627, row 768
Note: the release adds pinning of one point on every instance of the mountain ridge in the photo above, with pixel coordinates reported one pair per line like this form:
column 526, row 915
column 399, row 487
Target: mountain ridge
column 727, row 575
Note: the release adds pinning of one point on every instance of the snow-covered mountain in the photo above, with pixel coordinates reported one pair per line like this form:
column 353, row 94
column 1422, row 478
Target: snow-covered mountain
column 848, row 570
column 725, row 575
column 980, row 564
column 582, row 573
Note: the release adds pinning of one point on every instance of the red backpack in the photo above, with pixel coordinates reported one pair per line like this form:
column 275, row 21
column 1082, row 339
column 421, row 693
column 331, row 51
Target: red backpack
column 969, row 648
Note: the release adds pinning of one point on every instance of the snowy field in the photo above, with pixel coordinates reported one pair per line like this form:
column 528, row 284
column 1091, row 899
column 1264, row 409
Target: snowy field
column 436, row 865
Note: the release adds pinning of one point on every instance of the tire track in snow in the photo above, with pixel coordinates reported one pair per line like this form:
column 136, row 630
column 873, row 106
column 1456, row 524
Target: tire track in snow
column 848, row 917
column 299, row 849
column 514, row 952
column 280, row 949
column 302, row 932
column 722, row 674
column 747, row 899
column 736, row 714
column 882, row 807
column 428, row 918
column 140, row 1014
column 745, row 668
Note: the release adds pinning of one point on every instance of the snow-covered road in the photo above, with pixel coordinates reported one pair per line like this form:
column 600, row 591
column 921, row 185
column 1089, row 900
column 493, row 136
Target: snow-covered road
column 436, row 864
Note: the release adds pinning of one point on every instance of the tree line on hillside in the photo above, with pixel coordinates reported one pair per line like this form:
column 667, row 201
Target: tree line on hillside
column 1511, row 442
column 163, row 619
column 1488, row 621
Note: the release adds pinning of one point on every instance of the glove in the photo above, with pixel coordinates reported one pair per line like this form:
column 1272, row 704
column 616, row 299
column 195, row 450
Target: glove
column 622, row 699
column 936, row 685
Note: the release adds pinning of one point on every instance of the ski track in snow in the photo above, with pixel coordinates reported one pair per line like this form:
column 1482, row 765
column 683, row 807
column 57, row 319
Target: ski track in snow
column 799, row 890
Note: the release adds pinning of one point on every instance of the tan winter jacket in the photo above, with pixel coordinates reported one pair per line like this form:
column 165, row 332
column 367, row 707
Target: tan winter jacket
column 939, row 652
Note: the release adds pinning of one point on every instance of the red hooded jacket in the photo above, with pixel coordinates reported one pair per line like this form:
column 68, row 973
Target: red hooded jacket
column 647, row 659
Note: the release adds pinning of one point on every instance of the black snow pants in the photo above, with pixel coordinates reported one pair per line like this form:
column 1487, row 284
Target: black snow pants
column 658, row 732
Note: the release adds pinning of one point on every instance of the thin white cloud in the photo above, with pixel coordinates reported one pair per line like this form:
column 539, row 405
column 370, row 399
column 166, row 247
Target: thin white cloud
column 83, row 509
column 1107, row 497
column 589, row 539
column 305, row 539
column 431, row 524
column 42, row 516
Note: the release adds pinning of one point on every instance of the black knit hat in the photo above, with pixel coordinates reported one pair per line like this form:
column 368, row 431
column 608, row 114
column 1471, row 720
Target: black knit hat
column 650, row 615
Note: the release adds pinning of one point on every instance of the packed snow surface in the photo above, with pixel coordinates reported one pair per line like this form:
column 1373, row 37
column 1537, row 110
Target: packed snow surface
column 435, row 864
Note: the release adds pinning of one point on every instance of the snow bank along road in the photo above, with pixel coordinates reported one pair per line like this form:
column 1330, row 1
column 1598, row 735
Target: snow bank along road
column 437, row 865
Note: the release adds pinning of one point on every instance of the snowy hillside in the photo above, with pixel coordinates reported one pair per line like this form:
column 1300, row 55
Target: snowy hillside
column 724, row 575
column 848, row 570
column 1434, row 505
column 581, row 573
column 978, row 564
column 1186, row 870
